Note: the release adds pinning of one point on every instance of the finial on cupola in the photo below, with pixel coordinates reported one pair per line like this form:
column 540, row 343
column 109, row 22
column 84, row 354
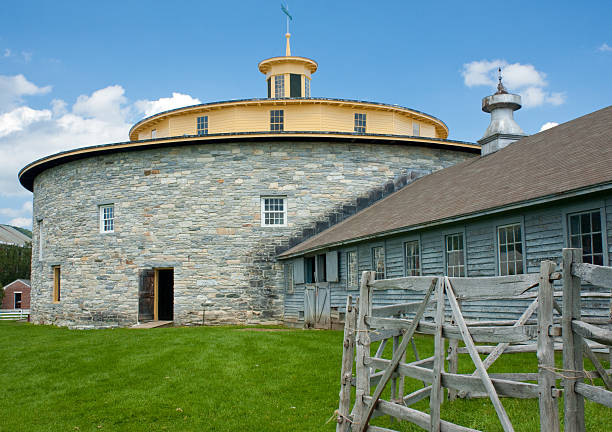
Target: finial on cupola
column 502, row 130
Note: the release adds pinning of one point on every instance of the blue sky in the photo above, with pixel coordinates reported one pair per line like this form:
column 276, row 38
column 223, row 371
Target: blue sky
column 80, row 73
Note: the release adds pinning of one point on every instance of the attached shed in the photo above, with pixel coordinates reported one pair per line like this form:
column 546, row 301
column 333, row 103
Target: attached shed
column 499, row 214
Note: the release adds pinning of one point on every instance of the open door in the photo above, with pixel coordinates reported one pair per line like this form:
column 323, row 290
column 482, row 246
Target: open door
column 164, row 294
column 146, row 295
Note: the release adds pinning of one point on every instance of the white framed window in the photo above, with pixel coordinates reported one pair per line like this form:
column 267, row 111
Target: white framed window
column 279, row 86
column 277, row 120
column 455, row 255
column 107, row 218
column 510, row 249
column 360, row 123
column 273, row 211
column 17, row 300
column 352, row 271
column 412, row 258
column 585, row 231
column 202, row 125
column 153, row 133
column 416, row 129
column 306, row 87
column 378, row 261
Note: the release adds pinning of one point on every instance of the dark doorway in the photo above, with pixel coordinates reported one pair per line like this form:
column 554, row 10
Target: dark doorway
column 165, row 294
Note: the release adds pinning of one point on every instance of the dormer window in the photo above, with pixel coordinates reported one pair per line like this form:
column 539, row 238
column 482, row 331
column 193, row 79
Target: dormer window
column 416, row 129
column 306, row 87
column 279, row 86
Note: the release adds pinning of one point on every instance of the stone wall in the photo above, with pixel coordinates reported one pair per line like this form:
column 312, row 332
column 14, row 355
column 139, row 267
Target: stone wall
column 194, row 208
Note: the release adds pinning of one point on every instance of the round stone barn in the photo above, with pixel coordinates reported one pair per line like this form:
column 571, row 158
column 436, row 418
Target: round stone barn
column 183, row 222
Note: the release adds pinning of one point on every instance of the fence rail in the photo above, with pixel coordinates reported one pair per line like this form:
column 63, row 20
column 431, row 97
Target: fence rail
column 14, row 314
column 439, row 313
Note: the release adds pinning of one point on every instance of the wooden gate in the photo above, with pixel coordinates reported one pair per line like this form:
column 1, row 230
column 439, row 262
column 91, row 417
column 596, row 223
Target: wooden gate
column 146, row 295
column 399, row 322
column 317, row 311
column 446, row 296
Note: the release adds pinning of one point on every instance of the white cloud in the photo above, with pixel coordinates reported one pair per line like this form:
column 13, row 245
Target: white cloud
column 7, row 52
column 21, row 222
column 27, row 134
column 106, row 104
column 524, row 79
column 164, row 104
column 13, row 88
column 27, row 56
column 548, row 125
column 605, row 47
column 20, row 118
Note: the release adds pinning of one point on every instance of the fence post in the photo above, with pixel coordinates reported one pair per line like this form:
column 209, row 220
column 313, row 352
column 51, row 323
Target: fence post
column 346, row 374
column 573, row 411
column 453, row 358
column 549, row 409
column 437, row 391
column 363, row 347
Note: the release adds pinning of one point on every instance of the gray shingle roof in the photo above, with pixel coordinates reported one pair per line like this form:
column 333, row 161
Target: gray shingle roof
column 10, row 235
column 569, row 157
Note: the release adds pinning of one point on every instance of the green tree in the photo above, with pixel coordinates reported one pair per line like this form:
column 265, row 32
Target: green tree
column 15, row 263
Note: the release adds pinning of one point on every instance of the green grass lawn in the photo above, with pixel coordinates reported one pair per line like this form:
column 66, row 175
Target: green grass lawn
column 200, row 379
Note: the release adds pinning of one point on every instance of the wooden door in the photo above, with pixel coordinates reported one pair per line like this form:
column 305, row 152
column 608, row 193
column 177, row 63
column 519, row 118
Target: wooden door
column 146, row 295
column 323, row 309
column 309, row 306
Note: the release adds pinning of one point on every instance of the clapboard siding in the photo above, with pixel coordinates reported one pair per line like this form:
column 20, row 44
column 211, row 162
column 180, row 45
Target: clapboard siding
column 480, row 241
column 544, row 237
column 394, row 256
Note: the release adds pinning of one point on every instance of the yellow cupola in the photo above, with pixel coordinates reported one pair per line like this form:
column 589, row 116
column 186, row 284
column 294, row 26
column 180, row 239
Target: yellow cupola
column 288, row 76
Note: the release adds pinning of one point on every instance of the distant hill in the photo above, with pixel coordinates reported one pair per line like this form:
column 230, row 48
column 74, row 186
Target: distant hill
column 23, row 230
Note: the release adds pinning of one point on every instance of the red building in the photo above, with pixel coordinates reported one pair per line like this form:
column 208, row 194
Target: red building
column 16, row 295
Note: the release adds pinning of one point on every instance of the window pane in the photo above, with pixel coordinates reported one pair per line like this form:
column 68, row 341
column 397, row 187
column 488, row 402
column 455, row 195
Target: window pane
column 586, row 244
column 596, row 221
column 598, row 260
column 575, row 224
column 597, row 243
column 585, row 223
column 575, row 241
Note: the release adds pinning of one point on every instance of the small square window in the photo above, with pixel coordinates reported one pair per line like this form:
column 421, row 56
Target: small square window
column 352, row 277
column 273, row 211
column 378, row 261
column 277, row 120
column 455, row 255
column 412, row 258
column 153, row 133
column 585, row 232
column 202, row 125
column 107, row 218
column 416, row 129
column 306, row 87
column 360, row 123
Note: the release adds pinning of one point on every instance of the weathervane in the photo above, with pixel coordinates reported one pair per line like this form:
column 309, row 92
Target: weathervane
column 500, row 86
column 285, row 9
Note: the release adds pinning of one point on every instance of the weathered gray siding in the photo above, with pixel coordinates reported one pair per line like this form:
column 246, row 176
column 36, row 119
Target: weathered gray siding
column 544, row 237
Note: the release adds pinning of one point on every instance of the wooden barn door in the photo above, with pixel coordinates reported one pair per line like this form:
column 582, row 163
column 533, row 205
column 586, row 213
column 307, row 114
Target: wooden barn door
column 317, row 307
column 146, row 295
column 309, row 306
column 323, row 310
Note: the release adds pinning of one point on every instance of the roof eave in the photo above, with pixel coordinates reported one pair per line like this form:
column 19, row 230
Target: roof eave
column 493, row 210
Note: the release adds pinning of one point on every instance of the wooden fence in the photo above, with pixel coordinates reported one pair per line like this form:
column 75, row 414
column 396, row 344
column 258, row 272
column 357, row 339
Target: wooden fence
column 577, row 334
column 14, row 314
column 439, row 314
